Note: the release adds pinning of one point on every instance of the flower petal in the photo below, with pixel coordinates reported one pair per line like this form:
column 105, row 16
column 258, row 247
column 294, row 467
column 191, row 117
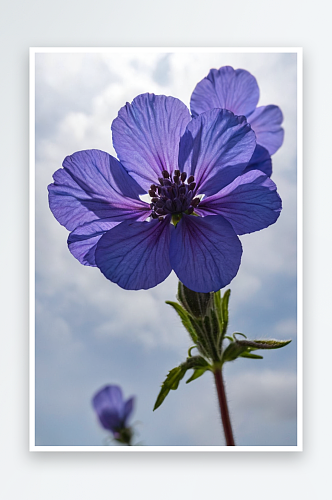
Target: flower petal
column 108, row 403
column 146, row 136
column 260, row 160
column 249, row 203
column 128, row 409
column 82, row 242
column 226, row 88
column 266, row 122
column 93, row 185
column 205, row 252
column 135, row 255
column 216, row 148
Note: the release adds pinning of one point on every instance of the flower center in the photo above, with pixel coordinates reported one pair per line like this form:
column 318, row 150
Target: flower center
column 173, row 195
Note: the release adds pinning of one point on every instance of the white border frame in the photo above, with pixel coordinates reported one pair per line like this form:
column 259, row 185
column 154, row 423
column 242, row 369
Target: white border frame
column 116, row 449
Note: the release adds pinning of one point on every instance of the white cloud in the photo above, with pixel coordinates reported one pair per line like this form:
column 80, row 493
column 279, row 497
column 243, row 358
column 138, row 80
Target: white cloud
column 272, row 393
column 286, row 328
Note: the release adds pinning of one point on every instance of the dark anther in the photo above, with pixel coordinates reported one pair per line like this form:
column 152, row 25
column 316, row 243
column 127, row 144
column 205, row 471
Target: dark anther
column 169, row 205
column 173, row 195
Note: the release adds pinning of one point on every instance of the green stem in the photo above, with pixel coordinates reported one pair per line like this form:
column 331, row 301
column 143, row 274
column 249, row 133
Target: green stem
column 223, row 407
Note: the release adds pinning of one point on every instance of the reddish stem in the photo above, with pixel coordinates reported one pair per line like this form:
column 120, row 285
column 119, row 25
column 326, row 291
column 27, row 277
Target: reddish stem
column 224, row 408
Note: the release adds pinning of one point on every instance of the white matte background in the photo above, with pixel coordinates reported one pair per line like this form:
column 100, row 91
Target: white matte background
column 173, row 23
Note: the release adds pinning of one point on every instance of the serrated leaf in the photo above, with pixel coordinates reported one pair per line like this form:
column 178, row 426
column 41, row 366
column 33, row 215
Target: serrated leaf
column 176, row 375
column 170, row 383
column 184, row 318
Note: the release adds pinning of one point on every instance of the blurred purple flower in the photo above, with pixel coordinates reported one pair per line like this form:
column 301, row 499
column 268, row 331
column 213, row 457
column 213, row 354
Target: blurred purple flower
column 238, row 91
column 113, row 412
column 203, row 166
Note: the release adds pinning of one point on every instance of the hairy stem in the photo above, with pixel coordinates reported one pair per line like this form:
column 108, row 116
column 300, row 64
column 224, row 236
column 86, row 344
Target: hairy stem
column 224, row 407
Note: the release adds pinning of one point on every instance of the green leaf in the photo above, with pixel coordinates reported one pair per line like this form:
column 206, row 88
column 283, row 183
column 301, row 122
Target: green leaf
column 176, row 375
column 197, row 373
column 171, row 383
column 233, row 351
column 184, row 318
column 250, row 355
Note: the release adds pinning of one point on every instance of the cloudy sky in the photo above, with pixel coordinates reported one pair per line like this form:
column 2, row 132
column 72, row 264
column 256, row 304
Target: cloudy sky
column 90, row 332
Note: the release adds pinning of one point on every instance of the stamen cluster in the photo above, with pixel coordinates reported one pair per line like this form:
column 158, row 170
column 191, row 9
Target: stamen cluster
column 173, row 195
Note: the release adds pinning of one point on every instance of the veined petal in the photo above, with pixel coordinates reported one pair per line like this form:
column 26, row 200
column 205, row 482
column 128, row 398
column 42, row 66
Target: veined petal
column 205, row 252
column 215, row 148
column 266, row 122
column 226, row 88
column 94, row 185
column 135, row 255
column 260, row 160
column 146, row 136
column 249, row 203
column 82, row 242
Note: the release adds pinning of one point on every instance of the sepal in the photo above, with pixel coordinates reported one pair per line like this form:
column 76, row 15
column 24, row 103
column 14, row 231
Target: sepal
column 221, row 310
column 195, row 303
column 124, row 436
column 205, row 316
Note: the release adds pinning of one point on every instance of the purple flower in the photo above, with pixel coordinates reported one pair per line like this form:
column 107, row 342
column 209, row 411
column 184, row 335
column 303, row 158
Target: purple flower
column 203, row 194
column 113, row 412
column 238, row 91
